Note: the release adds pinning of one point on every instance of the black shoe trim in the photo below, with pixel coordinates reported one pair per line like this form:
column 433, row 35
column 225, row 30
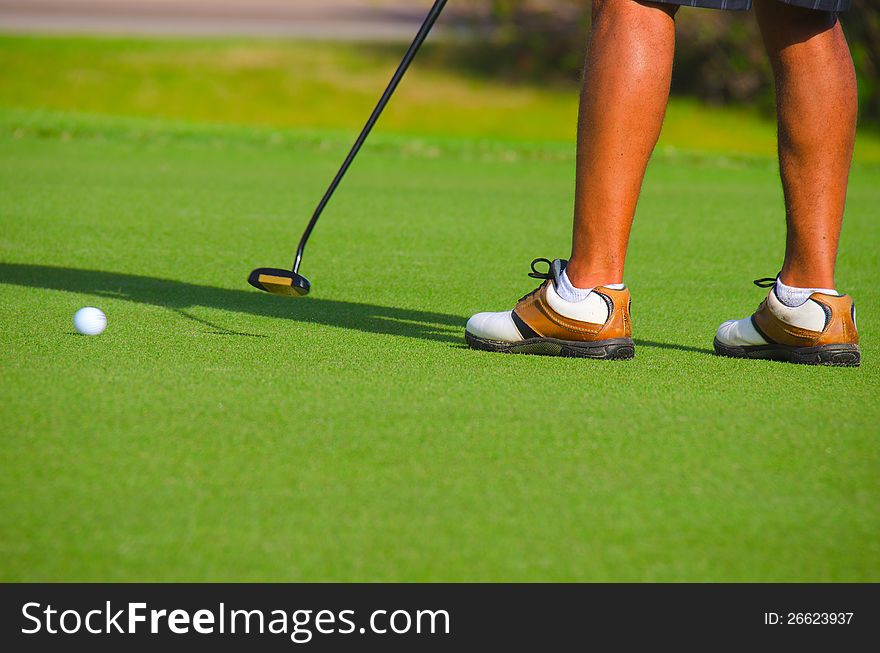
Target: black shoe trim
column 608, row 302
column 613, row 349
column 827, row 312
column 761, row 333
column 833, row 355
column 524, row 329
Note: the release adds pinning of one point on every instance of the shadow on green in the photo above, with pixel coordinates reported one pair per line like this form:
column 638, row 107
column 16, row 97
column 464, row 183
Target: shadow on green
column 179, row 296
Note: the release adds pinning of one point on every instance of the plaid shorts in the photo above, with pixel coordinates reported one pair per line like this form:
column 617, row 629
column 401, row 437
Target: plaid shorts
column 744, row 5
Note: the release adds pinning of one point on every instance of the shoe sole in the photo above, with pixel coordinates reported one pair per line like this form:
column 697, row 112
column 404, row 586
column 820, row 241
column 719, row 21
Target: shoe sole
column 831, row 355
column 614, row 349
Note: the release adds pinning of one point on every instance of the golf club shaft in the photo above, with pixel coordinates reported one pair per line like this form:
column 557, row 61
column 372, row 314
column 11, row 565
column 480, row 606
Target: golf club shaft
column 431, row 18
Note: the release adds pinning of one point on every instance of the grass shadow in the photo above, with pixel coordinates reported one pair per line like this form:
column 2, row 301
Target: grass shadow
column 668, row 345
column 180, row 296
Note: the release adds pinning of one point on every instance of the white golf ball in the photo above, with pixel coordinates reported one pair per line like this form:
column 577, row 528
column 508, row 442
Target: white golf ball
column 90, row 321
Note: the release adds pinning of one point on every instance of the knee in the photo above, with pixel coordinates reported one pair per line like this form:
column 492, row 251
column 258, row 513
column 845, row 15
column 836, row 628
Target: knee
column 788, row 24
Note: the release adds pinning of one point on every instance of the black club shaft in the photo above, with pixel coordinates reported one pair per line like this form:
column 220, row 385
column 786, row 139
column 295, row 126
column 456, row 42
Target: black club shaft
column 431, row 18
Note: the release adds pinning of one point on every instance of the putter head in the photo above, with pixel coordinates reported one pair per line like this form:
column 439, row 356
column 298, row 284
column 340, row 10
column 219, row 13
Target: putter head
column 280, row 282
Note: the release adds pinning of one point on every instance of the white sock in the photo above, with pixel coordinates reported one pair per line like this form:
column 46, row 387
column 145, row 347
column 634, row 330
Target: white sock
column 794, row 297
column 570, row 293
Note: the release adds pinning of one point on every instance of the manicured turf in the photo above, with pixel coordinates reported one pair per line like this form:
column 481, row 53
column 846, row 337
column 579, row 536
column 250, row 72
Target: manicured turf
column 328, row 85
column 216, row 433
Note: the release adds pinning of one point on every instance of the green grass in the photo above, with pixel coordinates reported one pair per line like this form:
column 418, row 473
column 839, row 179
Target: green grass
column 216, row 433
column 329, row 86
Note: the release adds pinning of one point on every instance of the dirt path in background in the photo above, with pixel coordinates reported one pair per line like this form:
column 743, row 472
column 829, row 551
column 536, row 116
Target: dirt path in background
column 318, row 19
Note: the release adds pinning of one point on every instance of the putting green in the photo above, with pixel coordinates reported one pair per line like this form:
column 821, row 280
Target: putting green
column 218, row 433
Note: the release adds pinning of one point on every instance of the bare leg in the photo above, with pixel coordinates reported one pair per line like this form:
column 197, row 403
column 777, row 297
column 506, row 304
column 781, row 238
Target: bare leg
column 817, row 107
column 626, row 88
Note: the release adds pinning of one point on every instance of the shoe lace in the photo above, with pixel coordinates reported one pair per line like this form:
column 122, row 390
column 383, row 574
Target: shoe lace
column 764, row 282
column 537, row 274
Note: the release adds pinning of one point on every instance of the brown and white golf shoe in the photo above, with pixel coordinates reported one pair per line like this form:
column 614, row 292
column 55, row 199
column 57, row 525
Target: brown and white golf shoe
column 544, row 323
column 821, row 331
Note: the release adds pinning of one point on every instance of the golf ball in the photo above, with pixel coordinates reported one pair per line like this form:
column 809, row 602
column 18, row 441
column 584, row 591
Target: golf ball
column 90, row 321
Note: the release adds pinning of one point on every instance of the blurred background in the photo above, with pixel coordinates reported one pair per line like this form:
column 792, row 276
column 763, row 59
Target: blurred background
column 494, row 68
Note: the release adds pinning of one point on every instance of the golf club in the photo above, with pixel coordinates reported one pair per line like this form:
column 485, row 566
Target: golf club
column 289, row 282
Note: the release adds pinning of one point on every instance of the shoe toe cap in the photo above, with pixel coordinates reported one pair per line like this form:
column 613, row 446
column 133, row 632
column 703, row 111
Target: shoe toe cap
column 494, row 326
column 739, row 333
column 723, row 334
